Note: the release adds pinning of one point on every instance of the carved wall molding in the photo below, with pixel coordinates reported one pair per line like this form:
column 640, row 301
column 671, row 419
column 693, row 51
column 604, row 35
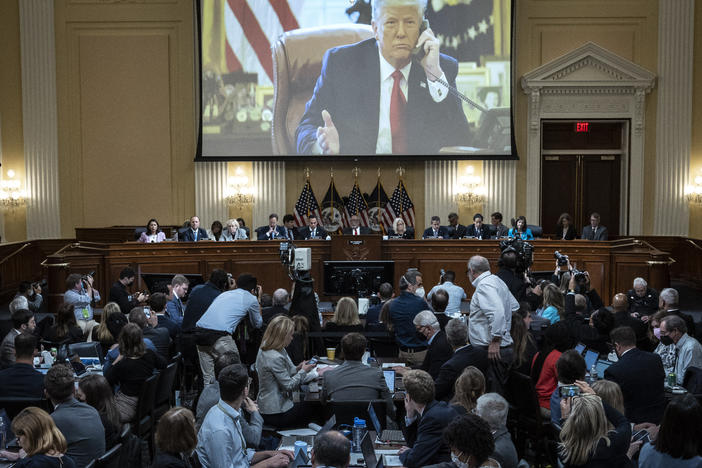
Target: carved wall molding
column 589, row 82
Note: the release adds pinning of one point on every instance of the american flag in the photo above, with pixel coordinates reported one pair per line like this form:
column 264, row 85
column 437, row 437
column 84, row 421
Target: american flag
column 306, row 205
column 356, row 206
column 399, row 206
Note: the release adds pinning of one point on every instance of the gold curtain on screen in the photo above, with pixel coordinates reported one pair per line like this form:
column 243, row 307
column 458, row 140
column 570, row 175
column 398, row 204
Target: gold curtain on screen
column 214, row 37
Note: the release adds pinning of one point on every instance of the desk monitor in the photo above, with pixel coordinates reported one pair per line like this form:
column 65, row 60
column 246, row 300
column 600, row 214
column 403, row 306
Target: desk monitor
column 342, row 278
column 153, row 279
column 590, row 359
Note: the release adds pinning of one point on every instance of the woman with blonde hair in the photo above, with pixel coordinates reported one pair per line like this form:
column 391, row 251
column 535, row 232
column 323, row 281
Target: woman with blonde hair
column 278, row 377
column 233, row 232
column 400, row 230
column 585, row 437
column 42, row 441
column 100, row 331
column 469, row 386
column 175, row 438
column 345, row 317
column 554, row 304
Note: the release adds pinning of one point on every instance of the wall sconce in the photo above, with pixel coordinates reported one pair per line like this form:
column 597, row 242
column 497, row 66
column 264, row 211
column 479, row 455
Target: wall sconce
column 693, row 193
column 469, row 189
column 11, row 194
column 239, row 192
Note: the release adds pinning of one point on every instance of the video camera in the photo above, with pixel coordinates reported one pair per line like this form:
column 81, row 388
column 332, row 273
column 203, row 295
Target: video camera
column 295, row 259
column 524, row 251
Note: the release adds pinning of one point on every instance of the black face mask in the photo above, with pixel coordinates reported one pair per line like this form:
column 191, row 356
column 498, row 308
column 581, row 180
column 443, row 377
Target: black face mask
column 666, row 340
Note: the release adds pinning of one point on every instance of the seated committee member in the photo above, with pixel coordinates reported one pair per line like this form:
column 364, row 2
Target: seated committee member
column 152, row 233
column 272, row 231
column 594, row 231
column 313, row 231
column 500, row 229
column 436, row 231
column 564, row 228
column 425, row 422
column 380, row 77
column 195, row 233
column 215, row 231
column 356, row 229
column 478, row 229
column 456, row 230
column 400, row 230
column 290, row 232
column 353, row 380
column 233, row 232
column 521, row 230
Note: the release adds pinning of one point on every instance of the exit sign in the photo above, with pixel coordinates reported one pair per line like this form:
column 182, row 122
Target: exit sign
column 582, row 127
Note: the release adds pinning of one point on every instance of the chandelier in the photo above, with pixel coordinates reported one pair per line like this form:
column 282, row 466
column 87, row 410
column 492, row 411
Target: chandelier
column 469, row 189
column 11, row 194
column 239, row 193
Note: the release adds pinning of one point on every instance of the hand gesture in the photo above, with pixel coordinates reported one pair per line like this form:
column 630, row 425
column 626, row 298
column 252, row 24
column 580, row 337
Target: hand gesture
column 328, row 136
column 37, row 288
column 250, row 405
column 308, row 367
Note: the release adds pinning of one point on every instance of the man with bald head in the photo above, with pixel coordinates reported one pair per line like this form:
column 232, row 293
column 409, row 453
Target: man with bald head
column 623, row 318
column 331, row 448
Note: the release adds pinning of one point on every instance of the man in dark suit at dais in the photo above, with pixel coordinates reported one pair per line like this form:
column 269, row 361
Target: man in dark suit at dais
column 380, row 96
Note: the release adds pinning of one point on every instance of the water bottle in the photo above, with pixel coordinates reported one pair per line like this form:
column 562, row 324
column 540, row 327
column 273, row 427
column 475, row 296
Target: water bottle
column 359, row 430
column 593, row 374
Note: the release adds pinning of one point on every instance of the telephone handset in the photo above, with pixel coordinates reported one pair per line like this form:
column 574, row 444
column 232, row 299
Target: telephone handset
column 417, row 51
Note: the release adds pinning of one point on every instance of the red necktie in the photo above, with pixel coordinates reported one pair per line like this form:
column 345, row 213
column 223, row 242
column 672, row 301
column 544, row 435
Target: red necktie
column 355, row 232
column 397, row 116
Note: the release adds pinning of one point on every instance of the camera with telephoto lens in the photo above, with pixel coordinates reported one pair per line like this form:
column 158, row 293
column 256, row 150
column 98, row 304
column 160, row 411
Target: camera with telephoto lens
column 561, row 258
column 524, row 251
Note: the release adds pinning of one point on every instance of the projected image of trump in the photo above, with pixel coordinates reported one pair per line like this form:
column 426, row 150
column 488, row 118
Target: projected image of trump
column 384, row 95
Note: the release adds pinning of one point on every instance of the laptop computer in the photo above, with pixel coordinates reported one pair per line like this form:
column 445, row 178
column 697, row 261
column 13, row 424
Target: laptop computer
column 601, row 366
column 390, row 379
column 591, row 358
column 388, row 435
column 288, row 441
column 580, row 348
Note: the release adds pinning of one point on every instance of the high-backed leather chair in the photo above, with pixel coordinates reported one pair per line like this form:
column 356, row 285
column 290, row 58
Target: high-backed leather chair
column 297, row 63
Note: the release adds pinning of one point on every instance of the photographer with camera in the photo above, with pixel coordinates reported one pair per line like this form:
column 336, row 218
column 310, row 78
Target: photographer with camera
column 516, row 282
column 81, row 294
column 32, row 291
column 120, row 295
column 579, row 282
column 594, row 333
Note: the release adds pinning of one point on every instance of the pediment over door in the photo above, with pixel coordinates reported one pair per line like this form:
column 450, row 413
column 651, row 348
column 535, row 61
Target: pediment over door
column 590, row 82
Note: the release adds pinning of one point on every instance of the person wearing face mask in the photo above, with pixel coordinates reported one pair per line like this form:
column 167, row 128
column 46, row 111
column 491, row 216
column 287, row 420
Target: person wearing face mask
column 120, row 295
column 667, row 353
column 402, row 310
column 688, row 350
column 640, row 375
column 471, row 442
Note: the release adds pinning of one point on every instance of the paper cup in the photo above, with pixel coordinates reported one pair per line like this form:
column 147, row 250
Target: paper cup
column 331, row 353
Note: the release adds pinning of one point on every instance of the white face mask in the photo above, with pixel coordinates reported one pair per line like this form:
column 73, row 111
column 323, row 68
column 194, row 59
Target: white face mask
column 457, row 462
column 419, row 292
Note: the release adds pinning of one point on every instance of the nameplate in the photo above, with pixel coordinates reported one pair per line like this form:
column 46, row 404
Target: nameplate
column 357, row 242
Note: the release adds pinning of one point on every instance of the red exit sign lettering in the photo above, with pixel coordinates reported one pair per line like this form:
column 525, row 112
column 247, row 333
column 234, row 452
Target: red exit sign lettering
column 582, row 127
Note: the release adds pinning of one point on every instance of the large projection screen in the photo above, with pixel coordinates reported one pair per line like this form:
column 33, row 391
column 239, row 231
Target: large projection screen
column 465, row 114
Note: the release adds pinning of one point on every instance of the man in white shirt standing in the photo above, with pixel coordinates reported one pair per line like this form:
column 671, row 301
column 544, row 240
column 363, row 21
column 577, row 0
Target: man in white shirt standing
column 456, row 294
column 490, row 319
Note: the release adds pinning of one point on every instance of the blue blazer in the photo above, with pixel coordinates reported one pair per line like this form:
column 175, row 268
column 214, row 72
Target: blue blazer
column 527, row 235
column 429, row 233
column 349, row 88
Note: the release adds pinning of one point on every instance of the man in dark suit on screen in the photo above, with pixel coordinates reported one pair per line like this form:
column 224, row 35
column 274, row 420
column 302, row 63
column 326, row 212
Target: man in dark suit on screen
column 378, row 97
column 640, row 375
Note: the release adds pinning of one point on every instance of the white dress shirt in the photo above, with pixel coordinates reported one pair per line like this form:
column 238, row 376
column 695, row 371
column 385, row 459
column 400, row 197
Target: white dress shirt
column 456, row 294
column 491, row 310
column 437, row 91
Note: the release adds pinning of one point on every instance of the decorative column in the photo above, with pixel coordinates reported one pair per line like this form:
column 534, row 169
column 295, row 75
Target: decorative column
column 500, row 179
column 676, row 24
column 439, row 187
column 210, row 184
column 39, row 121
column 269, row 184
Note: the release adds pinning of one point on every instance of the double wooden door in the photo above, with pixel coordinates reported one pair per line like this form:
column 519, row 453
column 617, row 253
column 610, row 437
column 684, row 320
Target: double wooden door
column 580, row 184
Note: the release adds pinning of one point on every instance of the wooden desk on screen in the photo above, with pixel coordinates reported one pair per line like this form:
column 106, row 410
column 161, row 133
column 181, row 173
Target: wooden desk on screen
column 612, row 265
